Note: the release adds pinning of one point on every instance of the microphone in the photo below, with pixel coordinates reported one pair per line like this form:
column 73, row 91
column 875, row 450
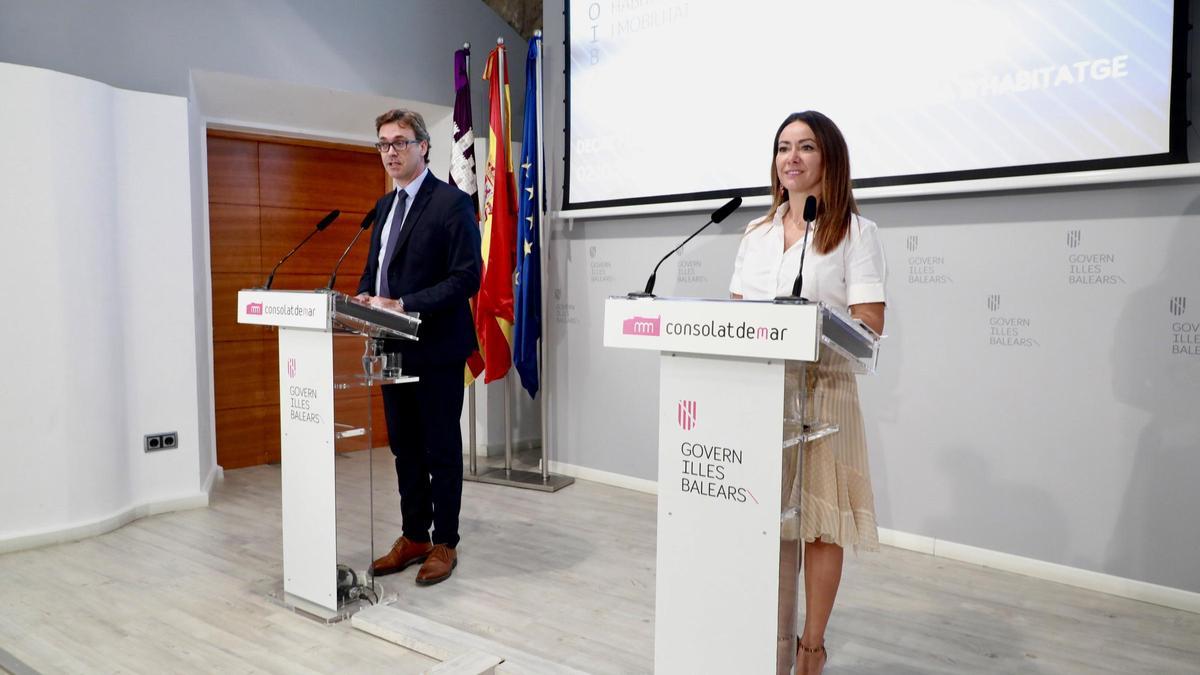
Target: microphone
column 716, row 217
column 325, row 222
column 362, row 227
column 810, row 214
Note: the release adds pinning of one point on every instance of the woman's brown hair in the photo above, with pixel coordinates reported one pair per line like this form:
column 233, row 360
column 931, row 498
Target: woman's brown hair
column 836, row 203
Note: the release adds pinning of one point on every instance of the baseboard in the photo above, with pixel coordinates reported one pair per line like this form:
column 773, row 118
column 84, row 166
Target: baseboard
column 907, row 541
column 1039, row 569
column 497, row 449
column 605, row 477
column 1072, row 576
column 102, row 525
column 215, row 475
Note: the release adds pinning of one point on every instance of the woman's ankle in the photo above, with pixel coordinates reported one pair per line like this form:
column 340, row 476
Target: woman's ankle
column 809, row 646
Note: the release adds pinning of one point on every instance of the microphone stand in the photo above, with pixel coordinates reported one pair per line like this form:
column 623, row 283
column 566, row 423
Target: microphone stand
column 809, row 215
column 325, row 222
column 362, row 227
column 271, row 277
column 717, row 216
column 649, row 291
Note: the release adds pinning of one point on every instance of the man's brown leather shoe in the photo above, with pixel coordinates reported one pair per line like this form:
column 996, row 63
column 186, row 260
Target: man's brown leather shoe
column 438, row 566
column 404, row 552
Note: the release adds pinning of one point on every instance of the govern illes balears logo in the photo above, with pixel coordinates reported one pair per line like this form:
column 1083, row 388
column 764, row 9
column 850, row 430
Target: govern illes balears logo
column 1185, row 334
column 685, row 415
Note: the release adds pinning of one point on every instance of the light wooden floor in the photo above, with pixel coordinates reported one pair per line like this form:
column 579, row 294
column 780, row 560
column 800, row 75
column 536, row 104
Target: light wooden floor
column 567, row 576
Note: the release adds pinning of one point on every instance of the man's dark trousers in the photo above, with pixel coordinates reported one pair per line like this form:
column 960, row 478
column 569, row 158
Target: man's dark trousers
column 423, row 430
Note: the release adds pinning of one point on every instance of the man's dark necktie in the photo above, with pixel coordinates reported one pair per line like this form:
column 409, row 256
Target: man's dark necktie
column 393, row 236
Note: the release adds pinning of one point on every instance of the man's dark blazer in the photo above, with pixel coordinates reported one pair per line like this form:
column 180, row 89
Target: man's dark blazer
column 434, row 270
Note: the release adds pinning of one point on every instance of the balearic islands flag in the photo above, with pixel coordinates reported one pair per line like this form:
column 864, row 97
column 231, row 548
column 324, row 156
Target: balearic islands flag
column 494, row 305
column 528, row 328
column 462, row 167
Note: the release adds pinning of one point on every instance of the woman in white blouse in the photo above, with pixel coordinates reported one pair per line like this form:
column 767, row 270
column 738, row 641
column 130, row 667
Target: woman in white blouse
column 843, row 267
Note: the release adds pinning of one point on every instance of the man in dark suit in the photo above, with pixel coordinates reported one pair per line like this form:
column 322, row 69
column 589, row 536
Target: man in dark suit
column 424, row 258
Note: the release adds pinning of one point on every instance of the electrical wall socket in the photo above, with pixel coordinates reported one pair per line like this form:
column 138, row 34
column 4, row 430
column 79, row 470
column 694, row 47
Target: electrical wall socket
column 163, row 441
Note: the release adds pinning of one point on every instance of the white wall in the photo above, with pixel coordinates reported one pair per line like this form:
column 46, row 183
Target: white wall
column 380, row 50
column 1081, row 450
column 102, row 349
column 399, row 48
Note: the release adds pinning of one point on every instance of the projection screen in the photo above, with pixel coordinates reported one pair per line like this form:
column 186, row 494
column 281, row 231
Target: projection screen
column 676, row 100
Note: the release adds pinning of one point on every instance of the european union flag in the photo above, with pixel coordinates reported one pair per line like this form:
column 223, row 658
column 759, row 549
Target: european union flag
column 528, row 311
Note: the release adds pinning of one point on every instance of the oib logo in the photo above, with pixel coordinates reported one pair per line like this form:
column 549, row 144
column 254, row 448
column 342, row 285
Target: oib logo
column 686, row 415
column 291, row 367
column 254, row 309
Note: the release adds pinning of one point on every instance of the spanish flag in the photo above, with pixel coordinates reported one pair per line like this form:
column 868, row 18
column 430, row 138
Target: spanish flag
column 494, row 304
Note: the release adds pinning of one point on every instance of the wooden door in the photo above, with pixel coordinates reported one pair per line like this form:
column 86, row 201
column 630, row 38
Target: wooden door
column 265, row 195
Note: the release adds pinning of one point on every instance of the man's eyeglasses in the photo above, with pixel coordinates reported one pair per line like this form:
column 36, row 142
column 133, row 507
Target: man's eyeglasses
column 399, row 144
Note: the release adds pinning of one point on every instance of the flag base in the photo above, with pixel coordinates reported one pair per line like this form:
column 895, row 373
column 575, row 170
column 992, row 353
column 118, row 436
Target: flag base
column 530, row 480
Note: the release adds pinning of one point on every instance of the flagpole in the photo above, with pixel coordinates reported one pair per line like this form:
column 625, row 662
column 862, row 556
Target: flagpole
column 502, row 171
column 472, row 442
column 543, row 269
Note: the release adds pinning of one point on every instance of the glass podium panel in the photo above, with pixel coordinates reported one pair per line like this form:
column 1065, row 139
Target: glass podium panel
column 362, row 470
column 816, row 398
column 351, row 316
column 847, row 344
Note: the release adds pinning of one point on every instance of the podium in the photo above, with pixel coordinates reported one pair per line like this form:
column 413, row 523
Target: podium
column 307, row 322
column 725, row 437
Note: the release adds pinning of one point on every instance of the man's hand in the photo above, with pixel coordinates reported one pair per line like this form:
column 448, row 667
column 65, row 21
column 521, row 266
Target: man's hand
column 386, row 303
column 364, row 298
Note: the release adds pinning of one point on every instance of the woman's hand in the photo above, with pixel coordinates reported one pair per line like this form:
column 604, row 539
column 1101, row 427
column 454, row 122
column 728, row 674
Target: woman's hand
column 870, row 313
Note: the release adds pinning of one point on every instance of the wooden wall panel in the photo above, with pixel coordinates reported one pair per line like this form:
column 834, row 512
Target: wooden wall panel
column 352, row 411
column 378, row 421
column 232, row 171
column 265, row 195
column 270, row 424
column 225, row 287
column 235, row 244
column 270, row 365
column 244, row 436
column 318, row 178
column 239, row 380
column 284, row 228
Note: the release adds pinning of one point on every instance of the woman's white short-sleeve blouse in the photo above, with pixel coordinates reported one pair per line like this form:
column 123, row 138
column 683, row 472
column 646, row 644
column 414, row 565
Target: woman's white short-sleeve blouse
column 851, row 274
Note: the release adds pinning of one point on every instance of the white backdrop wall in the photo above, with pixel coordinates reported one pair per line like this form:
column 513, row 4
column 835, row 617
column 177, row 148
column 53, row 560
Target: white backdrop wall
column 101, row 333
column 1036, row 394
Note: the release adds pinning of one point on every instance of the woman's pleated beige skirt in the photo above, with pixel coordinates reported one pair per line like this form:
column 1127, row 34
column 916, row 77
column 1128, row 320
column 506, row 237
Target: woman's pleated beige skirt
column 834, row 489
